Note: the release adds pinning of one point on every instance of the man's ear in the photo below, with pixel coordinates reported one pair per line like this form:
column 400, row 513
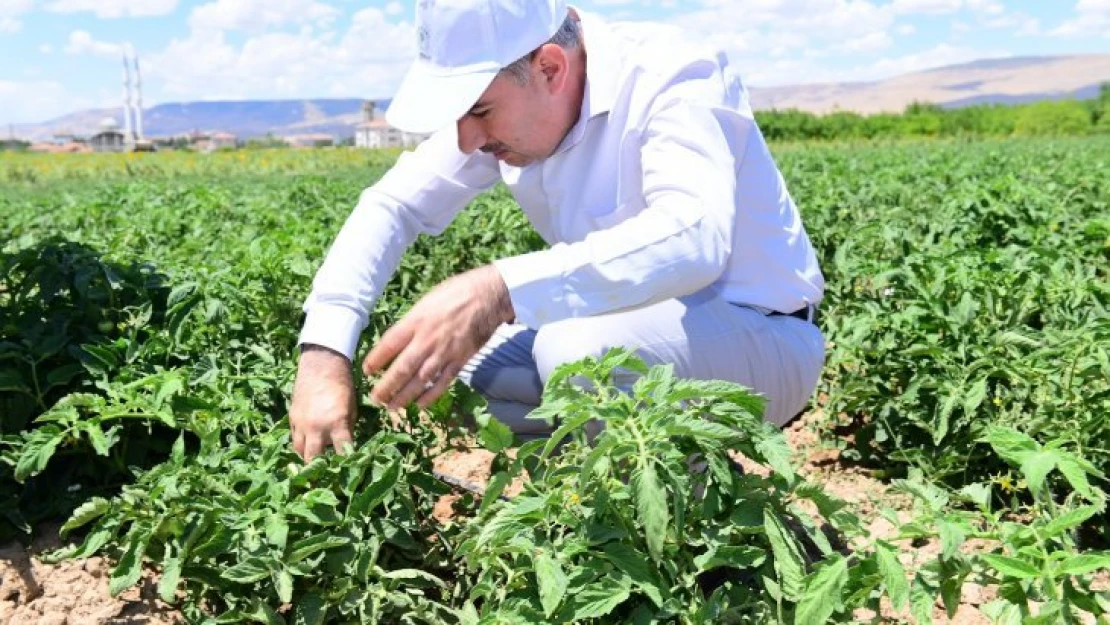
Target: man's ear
column 553, row 64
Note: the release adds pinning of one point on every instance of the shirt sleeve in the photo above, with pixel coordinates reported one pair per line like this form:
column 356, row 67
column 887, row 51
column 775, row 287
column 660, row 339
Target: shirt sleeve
column 678, row 244
column 420, row 194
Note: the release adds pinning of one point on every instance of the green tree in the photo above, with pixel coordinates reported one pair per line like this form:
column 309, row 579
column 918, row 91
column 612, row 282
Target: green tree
column 1064, row 117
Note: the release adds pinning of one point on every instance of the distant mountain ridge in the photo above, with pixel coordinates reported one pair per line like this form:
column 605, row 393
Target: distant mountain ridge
column 1010, row 80
column 1005, row 80
column 243, row 118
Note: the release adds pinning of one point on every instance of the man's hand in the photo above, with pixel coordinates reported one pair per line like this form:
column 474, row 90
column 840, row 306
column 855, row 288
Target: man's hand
column 437, row 337
column 323, row 402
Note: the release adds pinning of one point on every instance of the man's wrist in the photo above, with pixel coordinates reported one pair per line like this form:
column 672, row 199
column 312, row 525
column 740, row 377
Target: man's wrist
column 314, row 351
column 503, row 301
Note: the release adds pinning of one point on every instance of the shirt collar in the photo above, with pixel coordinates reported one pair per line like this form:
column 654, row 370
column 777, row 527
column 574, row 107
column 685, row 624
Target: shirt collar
column 602, row 65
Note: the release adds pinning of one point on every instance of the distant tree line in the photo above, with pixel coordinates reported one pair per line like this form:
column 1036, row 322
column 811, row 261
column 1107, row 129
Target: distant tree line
column 1045, row 118
column 14, row 145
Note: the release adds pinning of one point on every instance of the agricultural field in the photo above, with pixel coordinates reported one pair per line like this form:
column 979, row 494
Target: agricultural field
column 952, row 467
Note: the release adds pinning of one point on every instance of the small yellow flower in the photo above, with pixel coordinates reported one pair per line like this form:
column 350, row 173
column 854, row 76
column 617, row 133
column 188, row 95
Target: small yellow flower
column 574, row 499
column 997, row 401
column 1006, row 483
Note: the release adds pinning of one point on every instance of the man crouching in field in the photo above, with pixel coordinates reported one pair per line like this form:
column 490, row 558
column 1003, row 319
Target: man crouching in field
column 634, row 154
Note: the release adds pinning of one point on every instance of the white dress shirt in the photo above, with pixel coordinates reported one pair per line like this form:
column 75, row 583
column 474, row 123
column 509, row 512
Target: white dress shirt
column 663, row 187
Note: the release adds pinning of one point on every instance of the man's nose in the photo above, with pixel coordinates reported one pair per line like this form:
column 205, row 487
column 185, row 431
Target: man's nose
column 470, row 134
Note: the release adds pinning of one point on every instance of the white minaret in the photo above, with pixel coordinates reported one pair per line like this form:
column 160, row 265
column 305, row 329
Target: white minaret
column 138, row 102
column 127, row 135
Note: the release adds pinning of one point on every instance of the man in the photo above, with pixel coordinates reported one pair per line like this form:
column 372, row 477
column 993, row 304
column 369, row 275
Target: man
column 634, row 154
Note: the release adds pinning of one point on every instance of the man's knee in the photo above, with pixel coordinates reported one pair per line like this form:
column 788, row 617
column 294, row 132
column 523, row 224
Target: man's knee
column 575, row 339
column 561, row 343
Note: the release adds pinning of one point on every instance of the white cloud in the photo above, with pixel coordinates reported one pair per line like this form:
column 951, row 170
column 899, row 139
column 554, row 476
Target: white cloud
column 1021, row 24
column 937, row 56
column 36, row 100
column 256, row 16
column 394, row 8
column 11, row 8
column 926, row 7
column 1092, row 19
column 9, row 11
column 906, row 29
column 990, row 7
column 790, row 25
column 1093, row 6
column 871, row 42
column 46, row 48
column 368, row 59
column 81, row 42
column 114, row 8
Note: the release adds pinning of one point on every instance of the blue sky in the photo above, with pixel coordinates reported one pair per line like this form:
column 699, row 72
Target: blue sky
column 63, row 55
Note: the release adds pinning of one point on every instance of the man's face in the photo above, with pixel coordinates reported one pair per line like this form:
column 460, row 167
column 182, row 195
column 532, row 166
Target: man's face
column 521, row 123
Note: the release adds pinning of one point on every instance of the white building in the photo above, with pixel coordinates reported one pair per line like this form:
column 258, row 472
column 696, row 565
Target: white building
column 375, row 132
column 109, row 138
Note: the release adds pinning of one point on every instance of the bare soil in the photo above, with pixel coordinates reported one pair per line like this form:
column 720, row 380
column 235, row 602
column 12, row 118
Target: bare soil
column 76, row 592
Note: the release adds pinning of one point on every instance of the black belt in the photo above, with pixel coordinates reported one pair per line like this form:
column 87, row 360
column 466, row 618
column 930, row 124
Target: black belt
column 807, row 313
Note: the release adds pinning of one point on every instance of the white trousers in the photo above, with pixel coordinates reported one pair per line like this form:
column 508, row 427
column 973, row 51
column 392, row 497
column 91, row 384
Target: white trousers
column 705, row 337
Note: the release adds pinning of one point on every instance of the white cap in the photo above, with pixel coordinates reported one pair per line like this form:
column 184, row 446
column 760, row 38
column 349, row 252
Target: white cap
column 463, row 44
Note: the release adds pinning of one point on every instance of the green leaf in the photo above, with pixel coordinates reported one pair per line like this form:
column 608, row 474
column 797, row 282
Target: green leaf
column 64, row 375
column 37, row 451
column 551, row 581
column 789, row 563
column 85, row 513
column 1084, row 563
column 978, row 493
column 651, row 507
column 943, row 417
column 277, row 530
column 100, row 360
column 635, row 565
column 493, row 491
column 317, row 505
column 1036, row 466
column 951, row 537
column 600, row 597
column 701, row 429
column 601, row 450
column 1010, row 566
column 11, row 380
column 315, row 543
column 414, row 575
column 130, row 566
column 975, row 396
column 171, row 575
column 894, row 576
column 921, row 601
column 1013, row 446
column 311, row 610
column 822, row 594
column 1075, row 471
column 739, row 557
column 1070, row 520
column 101, row 442
column 494, row 435
column 262, row 353
column 248, row 571
column 363, row 503
column 283, row 584
column 776, row 453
